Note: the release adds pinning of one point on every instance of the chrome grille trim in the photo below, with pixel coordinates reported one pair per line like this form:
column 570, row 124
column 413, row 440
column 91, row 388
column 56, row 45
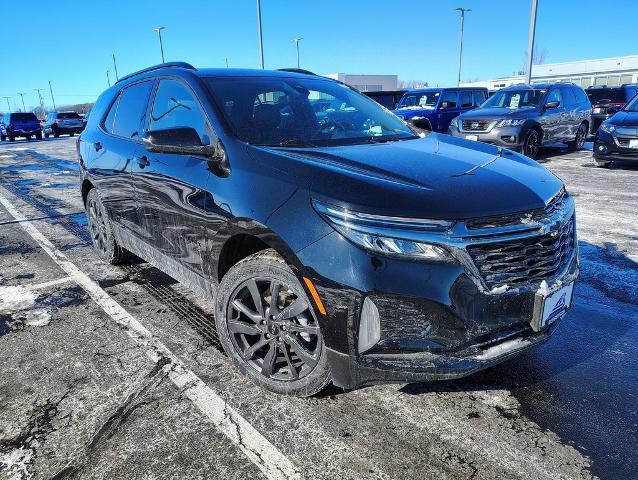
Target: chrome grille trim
column 481, row 125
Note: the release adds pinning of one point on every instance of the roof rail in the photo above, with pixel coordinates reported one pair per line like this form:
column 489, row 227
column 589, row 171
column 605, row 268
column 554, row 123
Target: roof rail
column 297, row 70
column 159, row 67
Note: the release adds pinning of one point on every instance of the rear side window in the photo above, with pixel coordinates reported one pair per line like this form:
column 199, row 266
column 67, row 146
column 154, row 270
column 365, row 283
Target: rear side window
column 175, row 106
column 554, row 96
column 451, row 98
column 466, row 99
column 68, row 115
column 581, row 96
column 568, row 96
column 479, row 97
column 131, row 109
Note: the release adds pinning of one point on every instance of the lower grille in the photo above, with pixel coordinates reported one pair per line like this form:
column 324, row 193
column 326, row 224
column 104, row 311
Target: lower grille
column 475, row 125
column 624, row 141
column 527, row 260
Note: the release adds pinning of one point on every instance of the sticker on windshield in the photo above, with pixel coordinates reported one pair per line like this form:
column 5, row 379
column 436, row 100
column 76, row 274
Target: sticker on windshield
column 515, row 100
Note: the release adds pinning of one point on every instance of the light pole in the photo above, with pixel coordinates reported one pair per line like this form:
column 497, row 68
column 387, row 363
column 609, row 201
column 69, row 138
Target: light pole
column 23, row 105
column 52, row 99
column 41, row 99
column 115, row 67
column 463, row 11
column 226, row 58
column 159, row 36
column 108, row 78
column 297, row 40
column 261, row 40
column 8, row 104
column 530, row 43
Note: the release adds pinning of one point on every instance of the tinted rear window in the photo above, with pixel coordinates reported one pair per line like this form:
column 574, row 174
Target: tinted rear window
column 68, row 115
column 22, row 117
column 607, row 95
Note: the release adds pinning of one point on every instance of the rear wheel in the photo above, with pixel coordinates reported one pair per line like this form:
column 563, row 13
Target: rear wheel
column 38, row 136
column 101, row 231
column 531, row 144
column 3, row 138
column 579, row 140
column 267, row 327
column 56, row 131
column 46, row 134
column 12, row 138
column 28, row 137
column 71, row 134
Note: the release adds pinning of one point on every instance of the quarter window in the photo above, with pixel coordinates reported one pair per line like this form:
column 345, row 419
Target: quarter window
column 110, row 118
column 451, row 98
column 479, row 97
column 466, row 99
column 175, row 106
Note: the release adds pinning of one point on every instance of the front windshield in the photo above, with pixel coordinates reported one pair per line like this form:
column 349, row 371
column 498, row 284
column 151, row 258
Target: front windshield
column 632, row 106
column 419, row 100
column 514, row 99
column 302, row 112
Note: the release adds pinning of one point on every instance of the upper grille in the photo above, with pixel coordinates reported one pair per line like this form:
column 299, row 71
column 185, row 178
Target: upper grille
column 518, row 218
column 475, row 125
column 525, row 260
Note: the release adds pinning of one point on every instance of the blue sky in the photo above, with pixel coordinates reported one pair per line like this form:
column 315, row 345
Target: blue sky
column 71, row 42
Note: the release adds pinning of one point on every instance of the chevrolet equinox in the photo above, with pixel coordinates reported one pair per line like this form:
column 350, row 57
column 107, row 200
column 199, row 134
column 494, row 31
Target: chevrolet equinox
column 336, row 244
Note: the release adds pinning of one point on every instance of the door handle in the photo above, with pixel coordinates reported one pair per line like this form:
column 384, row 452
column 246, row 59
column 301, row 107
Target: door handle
column 97, row 146
column 143, row 161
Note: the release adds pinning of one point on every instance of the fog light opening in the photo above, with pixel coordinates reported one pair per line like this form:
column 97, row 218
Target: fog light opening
column 369, row 326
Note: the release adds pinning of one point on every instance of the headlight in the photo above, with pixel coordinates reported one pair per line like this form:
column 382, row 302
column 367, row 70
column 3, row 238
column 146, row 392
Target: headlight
column 510, row 122
column 607, row 127
column 381, row 234
column 455, row 123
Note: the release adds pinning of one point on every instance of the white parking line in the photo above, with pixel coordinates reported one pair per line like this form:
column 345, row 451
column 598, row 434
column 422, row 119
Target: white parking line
column 227, row 420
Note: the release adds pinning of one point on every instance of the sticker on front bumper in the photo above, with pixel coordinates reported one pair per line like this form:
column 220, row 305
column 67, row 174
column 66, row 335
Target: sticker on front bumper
column 471, row 137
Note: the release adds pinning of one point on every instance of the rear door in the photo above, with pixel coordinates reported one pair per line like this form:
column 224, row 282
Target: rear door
column 171, row 188
column 112, row 153
column 570, row 115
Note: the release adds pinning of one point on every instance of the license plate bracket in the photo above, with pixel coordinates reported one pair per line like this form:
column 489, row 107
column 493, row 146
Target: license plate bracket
column 549, row 307
column 633, row 143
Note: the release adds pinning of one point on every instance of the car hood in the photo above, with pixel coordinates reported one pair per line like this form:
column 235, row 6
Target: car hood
column 438, row 177
column 625, row 119
column 498, row 113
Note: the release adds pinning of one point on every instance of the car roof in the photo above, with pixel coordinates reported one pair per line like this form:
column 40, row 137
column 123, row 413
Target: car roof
column 441, row 89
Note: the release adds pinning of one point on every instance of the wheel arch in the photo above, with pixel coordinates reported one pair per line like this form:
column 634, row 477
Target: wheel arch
column 86, row 188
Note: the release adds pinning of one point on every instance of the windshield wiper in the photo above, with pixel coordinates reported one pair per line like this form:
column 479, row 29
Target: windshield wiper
column 382, row 139
column 295, row 142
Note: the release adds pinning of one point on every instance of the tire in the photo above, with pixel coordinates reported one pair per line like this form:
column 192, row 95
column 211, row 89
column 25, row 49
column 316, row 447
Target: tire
column 46, row 135
column 38, row 136
column 532, row 144
column 56, row 132
column 286, row 355
column 602, row 164
column 581, row 136
column 101, row 231
column 28, row 137
column 71, row 134
column 12, row 138
column 3, row 138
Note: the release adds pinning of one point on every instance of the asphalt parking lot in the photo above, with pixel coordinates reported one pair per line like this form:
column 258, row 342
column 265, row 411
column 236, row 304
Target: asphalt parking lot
column 115, row 372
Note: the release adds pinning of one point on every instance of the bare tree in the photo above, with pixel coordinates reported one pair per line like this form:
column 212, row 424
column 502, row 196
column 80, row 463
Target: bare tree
column 409, row 84
column 539, row 58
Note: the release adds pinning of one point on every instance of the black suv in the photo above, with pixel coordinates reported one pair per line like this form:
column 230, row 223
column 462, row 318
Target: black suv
column 60, row 123
column 335, row 244
column 617, row 137
column 606, row 101
column 525, row 117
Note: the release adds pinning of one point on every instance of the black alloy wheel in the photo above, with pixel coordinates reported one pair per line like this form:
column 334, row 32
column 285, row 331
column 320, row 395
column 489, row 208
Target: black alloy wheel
column 531, row 144
column 581, row 135
column 266, row 325
column 101, row 231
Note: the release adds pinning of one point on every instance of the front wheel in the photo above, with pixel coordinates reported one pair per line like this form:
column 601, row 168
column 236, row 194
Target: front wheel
column 579, row 140
column 3, row 138
column 267, row 327
column 531, row 144
column 101, row 231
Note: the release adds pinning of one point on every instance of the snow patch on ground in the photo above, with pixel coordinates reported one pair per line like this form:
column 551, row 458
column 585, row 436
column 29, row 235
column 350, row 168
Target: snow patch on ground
column 16, row 463
column 38, row 318
column 15, row 298
column 502, row 348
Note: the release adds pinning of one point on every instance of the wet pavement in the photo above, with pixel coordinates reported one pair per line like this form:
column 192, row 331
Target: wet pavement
column 82, row 397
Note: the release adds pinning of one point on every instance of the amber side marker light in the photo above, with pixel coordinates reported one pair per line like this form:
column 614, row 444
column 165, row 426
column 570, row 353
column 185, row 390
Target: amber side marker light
column 315, row 295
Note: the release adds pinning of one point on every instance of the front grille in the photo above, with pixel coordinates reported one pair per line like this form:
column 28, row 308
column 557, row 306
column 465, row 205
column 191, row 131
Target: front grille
column 475, row 125
column 526, row 260
column 507, row 220
column 624, row 141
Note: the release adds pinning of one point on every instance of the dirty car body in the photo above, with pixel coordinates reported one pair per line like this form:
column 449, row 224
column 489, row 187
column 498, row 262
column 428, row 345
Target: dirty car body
column 426, row 257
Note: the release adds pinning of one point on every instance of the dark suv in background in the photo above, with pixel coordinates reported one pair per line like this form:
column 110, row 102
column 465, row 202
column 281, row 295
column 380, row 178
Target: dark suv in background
column 387, row 98
column 606, row 101
column 617, row 137
column 433, row 108
column 19, row 124
column 335, row 244
column 60, row 123
column 525, row 117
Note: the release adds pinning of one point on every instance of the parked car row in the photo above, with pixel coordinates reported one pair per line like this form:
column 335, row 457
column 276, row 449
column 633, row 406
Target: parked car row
column 26, row 125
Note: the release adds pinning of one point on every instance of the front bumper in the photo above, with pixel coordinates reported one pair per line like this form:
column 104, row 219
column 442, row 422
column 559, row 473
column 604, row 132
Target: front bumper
column 607, row 149
column 437, row 320
column 509, row 137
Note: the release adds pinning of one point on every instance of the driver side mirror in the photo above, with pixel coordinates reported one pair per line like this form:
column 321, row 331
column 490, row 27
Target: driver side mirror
column 180, row 140
column 550, row 105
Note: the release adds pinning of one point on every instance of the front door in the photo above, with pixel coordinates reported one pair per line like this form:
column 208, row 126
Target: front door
column 552, row 120
column 171, row 188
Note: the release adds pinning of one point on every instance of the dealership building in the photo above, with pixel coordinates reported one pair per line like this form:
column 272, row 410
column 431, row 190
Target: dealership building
column 603, row 71
column 367, row 83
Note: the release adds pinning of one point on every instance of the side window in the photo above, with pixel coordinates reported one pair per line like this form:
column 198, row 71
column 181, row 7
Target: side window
column 131, row 109
column 479, row 97
column 554, row 96
column 466, row 99
column 108, row 122
column 568, row 96
column 581, row 96
column 451, row 98
column 175, row 106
